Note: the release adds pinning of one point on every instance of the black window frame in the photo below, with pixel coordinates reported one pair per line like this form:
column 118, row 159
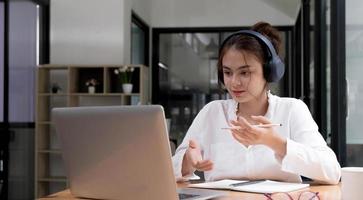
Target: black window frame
column 338, row 80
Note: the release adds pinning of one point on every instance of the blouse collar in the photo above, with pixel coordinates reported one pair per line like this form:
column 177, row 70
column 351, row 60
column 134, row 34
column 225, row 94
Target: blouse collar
column 268, row 114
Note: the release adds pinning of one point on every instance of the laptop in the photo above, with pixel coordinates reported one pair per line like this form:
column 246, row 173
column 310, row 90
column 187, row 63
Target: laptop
column 119, row 152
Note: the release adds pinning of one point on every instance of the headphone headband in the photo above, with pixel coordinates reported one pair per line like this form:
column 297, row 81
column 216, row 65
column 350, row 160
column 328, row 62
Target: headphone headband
column 261, row 38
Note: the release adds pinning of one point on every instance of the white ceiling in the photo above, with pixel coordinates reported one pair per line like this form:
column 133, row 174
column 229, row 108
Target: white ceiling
column 218, row 13
column 289, row 7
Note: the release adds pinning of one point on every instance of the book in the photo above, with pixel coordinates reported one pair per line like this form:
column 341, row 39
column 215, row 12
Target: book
column 258, row 186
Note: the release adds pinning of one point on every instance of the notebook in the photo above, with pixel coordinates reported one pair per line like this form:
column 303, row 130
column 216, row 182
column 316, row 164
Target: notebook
column 259, row 186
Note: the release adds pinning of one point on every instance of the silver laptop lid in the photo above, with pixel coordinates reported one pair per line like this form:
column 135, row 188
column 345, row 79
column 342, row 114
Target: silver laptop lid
column 116, row 152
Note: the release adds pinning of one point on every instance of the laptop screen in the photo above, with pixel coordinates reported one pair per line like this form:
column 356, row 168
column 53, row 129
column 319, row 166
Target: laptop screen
column 116, row 152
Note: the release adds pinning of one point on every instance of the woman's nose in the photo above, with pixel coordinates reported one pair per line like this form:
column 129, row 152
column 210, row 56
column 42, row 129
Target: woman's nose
column 236, row 80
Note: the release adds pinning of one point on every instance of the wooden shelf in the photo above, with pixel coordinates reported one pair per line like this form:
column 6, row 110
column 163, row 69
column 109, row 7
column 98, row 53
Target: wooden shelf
column 44, row 123
column 73, row 92
column 53, row 94
column 49, row 151
column 62, row 179
column 104, row 94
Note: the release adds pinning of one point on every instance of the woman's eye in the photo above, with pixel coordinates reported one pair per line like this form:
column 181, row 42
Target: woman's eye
column 227, row 73
column 245, row 73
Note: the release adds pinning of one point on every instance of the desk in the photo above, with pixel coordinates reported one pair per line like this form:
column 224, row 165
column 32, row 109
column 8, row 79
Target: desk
column 326, row 192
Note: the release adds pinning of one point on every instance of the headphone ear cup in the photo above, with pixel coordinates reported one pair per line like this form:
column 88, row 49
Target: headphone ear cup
column 276, row 69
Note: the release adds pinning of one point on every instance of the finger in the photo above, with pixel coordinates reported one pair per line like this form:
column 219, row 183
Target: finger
column 203, row 163
column 236, row 123
column 193, row 144
column 243, row 132
column 240, row 138
column 242, row 141
column 236, row 136
column 246, row 136
column 261, row 119
column 245, row 123
column 250, row 134
column 206, row 164
column 238, row 132
column 195, row 159
column 207, row 168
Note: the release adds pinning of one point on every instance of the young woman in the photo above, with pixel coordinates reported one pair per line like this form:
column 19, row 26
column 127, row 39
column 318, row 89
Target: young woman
column 248, row 61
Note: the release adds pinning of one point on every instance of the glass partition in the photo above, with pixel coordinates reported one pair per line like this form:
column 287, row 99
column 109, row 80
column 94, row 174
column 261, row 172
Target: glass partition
column 354, row 70
column 137, row 45
column 187, row 77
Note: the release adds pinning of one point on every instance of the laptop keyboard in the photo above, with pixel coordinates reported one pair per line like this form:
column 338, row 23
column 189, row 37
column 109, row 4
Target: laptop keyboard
column 186, row 196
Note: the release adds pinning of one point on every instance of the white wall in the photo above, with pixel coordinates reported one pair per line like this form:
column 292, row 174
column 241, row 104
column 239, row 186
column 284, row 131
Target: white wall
column 90, row 31
column 143, row 9
column 354, row 12
column 217, row 13
column 98, row 32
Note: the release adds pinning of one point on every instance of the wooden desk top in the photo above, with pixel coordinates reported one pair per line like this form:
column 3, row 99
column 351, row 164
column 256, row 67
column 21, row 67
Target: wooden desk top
column 326, row 192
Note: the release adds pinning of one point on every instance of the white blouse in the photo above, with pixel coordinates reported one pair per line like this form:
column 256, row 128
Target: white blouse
column 307, row 153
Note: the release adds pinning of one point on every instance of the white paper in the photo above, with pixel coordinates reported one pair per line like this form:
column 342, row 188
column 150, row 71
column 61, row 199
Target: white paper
column 260, row 187
column 222, row 184
column 188, row 178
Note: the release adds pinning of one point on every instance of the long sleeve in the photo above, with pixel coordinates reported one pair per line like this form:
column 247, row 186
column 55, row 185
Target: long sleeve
column 194, row 132
column 307, row 152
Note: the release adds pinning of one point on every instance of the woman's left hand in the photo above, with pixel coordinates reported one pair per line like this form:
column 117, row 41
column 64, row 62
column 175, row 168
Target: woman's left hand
column 248, row 134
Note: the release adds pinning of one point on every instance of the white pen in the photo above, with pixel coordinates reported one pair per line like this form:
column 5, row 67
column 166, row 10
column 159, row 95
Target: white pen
column 258, row 125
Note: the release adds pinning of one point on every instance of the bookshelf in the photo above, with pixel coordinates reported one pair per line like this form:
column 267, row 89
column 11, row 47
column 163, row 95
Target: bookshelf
column 64, row 86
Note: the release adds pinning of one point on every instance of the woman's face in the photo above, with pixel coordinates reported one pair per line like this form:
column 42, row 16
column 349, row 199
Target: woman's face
column 242, row 75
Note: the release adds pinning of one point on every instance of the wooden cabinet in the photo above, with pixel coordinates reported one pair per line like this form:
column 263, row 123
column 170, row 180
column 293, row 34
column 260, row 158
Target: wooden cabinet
column 65, row 86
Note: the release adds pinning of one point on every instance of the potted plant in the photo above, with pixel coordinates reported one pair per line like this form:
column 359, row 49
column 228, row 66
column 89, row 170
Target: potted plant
column 91, row 84
column 125, row 74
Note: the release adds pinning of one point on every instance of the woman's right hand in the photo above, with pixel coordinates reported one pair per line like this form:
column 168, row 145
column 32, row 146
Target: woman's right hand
column 193, row 160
